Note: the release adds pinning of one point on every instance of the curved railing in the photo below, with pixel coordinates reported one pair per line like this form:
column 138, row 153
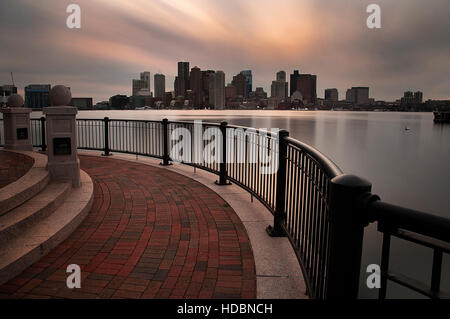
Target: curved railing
column 322, row 211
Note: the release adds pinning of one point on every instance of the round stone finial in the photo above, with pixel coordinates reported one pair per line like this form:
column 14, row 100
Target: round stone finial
column 60, row 96
column 15, row 100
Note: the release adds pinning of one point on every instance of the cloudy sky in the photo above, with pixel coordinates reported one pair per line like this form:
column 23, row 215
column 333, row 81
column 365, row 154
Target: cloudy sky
column 120, row 38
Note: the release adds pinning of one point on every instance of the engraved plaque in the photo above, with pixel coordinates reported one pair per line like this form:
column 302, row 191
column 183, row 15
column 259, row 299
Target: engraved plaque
column 62, row 146
column 22, row 133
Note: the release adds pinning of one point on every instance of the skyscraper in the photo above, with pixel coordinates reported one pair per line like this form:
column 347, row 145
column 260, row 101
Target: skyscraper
column 160, row 85
column 196, row 85
column 182, row 80
column 145, row 76
column 217, row 90
column 307, row 85
column 293, row 86
column 142, row 84
column 248, row 82
column 240, row 83
column 279, row 88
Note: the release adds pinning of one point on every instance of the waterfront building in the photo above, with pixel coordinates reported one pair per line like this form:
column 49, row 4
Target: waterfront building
column 37, row 96
column 142, row 83
column 358, row 95
column 230, row 92
column 160, row 85
column 239, row 82
column 293, row 82
column 248, row 82
column 331, row 95
column 82, row 103
column 182, row 79
column 307, row 85
column 217, row 90
column 279, row 88
column 119, row 102
column 196, row 86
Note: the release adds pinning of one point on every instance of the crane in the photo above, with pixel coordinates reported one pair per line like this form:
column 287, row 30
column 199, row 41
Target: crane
column 12, row 78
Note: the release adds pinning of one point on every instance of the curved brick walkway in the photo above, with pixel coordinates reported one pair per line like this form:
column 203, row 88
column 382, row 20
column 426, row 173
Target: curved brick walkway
column 151, row 233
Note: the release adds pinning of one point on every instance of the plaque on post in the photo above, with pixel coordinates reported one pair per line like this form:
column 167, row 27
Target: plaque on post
column 63, row 162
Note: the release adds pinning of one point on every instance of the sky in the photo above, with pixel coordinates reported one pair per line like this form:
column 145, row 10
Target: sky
column 119, row 39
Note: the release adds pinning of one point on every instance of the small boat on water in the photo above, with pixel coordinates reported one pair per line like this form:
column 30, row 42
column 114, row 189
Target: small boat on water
column 441, row 116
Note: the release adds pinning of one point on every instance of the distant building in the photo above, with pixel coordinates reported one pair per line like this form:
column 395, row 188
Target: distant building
column 293, row 82
column 279, row 88
column 306, row 84
column 248, row 82
column 260, row 94
column 217, row 90
column 142, row 83
column 196, row 85
column 82, row 103
column 331, row 95
column 182, row 80
column 160, row 85
column 205, row 83
column 358, row 95
column 239, row 82
column 119, row 102
column 411, row 99
column 230, row 92
column 37, row 96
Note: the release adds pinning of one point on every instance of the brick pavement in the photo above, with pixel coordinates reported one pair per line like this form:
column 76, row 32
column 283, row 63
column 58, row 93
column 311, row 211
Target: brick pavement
column 151, row 233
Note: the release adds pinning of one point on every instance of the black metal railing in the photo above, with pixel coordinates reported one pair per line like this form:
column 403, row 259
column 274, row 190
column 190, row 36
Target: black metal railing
column 322, row 211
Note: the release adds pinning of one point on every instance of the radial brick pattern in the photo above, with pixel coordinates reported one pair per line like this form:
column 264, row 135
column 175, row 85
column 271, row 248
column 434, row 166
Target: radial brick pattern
column 151, row 233
column 13, row 166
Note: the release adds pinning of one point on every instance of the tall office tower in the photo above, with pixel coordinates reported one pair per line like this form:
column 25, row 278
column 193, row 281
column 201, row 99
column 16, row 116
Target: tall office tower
column 418, row 97
column 358, row 95
column 307, row 85
column 145, row 76
column 196, row 85
column 331, row 95
column 160, row 85
column 205, row 84
column 293, row 82
column 240, row 82
column 37, row 96
column 281, row 76
column 217, row 90
column 182, row 80
column 279, row 88
column 248, row 82
column 142, row 84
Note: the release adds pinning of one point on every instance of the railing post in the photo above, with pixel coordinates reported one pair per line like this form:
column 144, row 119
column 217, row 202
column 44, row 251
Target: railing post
column 280, row 214
column 223, row 174
column 347, row 222
column 107, row 150
column 166, row 157
column 43, row 141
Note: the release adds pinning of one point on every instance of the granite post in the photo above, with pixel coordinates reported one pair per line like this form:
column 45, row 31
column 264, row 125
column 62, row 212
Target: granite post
column 16, row 121
column 63, row 162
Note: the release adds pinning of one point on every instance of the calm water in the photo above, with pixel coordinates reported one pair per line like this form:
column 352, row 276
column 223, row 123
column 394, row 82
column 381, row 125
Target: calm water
column 406, row 167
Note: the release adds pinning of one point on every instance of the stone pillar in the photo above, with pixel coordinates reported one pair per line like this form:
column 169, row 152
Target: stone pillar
column 63, row 162
column 16, row 121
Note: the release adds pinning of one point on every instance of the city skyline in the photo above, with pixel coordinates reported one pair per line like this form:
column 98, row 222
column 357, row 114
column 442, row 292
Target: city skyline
column 101, row 58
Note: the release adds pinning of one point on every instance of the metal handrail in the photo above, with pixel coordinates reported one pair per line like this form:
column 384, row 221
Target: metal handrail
column 322, row 211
